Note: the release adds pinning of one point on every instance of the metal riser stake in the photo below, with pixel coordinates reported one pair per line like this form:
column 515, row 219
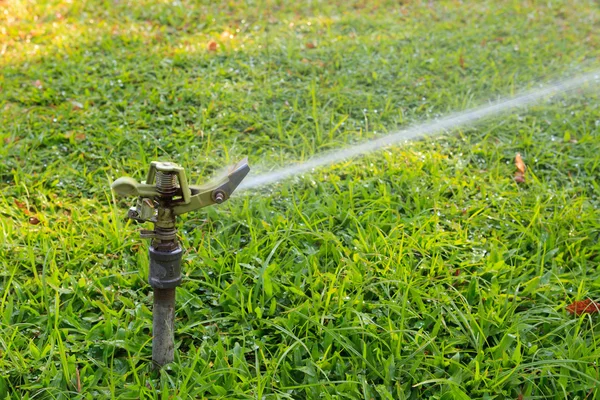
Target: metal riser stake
column 163, row 326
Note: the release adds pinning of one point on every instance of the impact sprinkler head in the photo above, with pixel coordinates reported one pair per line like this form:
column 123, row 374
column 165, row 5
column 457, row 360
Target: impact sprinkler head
column 160, row 199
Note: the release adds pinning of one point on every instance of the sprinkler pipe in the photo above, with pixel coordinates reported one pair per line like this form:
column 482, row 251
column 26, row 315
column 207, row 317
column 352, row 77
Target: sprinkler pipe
column 160, row 199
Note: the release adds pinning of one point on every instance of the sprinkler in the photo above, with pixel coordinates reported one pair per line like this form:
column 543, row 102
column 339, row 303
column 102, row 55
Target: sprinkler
column 160, row 199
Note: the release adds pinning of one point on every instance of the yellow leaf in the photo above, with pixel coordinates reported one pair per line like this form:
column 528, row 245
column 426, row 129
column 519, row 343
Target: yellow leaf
column 519, row 163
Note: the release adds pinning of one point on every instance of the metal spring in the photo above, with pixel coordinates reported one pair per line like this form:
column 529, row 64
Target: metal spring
column 166, row 183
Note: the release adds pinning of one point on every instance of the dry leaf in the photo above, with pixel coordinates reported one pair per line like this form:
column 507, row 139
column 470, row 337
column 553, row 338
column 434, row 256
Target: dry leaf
column 22, row 206
column 318, row 63
column 584, row 307
column 519, row 163
column 8, row 140
column 78, row 136
column 78, row 380
column 461, row 61
column 310, row 45
column 249, row 129
column 520, row 174
column 212, row 45
column 34, row 220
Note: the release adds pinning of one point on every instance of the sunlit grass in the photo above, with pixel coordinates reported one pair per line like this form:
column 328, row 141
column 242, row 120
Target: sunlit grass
column 423, row 271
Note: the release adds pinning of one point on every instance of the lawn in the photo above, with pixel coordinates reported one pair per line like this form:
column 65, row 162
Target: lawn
column 420, row 271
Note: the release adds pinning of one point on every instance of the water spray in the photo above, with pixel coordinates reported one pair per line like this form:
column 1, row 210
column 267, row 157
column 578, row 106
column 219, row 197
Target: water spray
column 450, row 122
column 160, row 199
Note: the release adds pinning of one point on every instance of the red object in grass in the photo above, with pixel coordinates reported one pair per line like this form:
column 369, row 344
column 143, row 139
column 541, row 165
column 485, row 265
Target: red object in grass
column 584, row 307
column 212, row 45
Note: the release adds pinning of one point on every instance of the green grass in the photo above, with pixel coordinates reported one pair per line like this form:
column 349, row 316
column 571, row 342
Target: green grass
column 422, row 271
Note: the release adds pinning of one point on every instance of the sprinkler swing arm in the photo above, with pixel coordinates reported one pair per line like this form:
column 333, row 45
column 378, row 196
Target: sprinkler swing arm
column 192, row 197
column 160, row 199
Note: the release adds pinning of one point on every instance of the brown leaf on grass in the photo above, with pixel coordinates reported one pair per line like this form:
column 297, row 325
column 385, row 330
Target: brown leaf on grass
column 212, row 46
column 520, row 174
column 519, row 163
column 318, row 63
column 587, row 306
column 8, row 140
column 22, row 206
column 461, row 61
column 310, row 45
column 249, row 129
column 78, row 136
column 34, row 220
column 78, row 379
